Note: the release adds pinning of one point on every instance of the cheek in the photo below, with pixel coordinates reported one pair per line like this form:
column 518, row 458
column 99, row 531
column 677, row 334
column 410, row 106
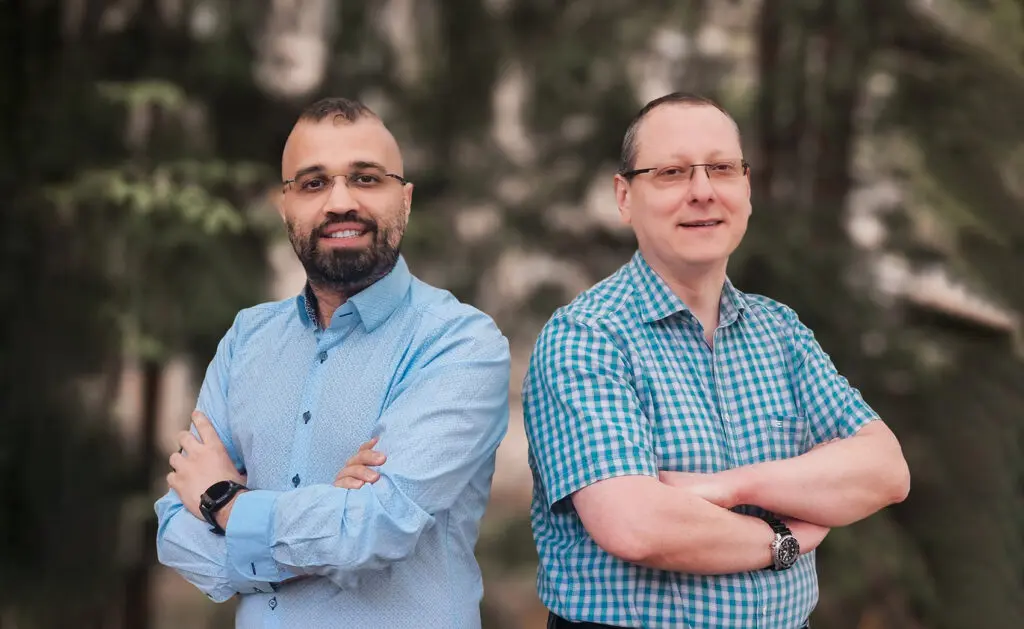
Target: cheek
column 738, row 208
column 660, row 210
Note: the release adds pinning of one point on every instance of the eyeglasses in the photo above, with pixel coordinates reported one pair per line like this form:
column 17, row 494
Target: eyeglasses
column 362, row 180
column 667, row 175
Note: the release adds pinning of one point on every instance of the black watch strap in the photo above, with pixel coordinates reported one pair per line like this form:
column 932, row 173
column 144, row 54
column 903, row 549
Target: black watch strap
column 214, row 499
column 777, row 525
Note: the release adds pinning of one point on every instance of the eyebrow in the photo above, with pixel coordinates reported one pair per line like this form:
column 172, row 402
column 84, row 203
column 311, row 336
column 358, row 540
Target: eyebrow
column 319, row 168
column 364, row 165
column 315, row 168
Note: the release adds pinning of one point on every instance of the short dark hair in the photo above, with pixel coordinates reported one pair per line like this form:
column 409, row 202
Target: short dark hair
column 627, row 160
column 345, row 109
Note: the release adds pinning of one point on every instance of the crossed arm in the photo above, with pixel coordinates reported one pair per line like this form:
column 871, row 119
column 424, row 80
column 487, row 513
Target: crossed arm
column 579, row 406
column 455, row 406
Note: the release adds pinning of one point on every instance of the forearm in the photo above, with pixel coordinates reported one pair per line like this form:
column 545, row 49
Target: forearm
column 699, row 538
column 669, row 528
column 186, row 545
column 322, row 530
column 833, row 485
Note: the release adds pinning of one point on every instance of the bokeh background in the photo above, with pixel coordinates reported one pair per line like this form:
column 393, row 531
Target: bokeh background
column 140, row 152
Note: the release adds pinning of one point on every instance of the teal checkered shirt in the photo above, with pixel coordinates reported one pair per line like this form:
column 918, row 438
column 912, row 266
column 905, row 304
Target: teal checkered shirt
column 621, row 382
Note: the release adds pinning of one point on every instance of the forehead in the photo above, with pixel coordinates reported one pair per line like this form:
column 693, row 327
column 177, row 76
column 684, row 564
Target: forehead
column 689, row 132
column 336, row 145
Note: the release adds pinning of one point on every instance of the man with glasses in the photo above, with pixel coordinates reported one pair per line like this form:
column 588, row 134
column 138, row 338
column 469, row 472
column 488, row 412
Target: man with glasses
column 366, row 354
column 691, row 445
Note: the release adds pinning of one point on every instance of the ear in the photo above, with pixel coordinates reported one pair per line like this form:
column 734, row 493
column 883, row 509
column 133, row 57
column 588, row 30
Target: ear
column 407, row 200
column 749, row 185
column 279, row 205
column 623, row 195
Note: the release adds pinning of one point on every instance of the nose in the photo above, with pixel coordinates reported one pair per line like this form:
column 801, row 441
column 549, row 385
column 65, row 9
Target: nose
column 339, row 197
column 701, row 191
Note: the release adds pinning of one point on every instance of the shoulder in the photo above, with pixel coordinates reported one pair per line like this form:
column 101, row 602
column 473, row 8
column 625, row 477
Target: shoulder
column 439, row 316
column 776, row 319
column 771, row 312
column 597, row 325
column 609, row 303
column 252, row 321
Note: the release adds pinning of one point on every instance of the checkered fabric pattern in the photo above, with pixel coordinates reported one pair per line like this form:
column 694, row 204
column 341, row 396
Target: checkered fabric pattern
column 621, row 382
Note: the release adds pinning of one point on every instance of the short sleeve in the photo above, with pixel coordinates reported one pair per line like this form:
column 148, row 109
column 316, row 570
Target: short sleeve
column 583, row 419
column 833, row 407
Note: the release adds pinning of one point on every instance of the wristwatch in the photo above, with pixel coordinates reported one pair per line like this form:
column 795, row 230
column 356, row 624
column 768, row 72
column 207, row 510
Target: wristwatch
column 214, row 499
column 785, row 547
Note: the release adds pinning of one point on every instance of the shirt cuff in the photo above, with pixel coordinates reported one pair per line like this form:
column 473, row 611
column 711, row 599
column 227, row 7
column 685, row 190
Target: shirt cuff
column 249, row 540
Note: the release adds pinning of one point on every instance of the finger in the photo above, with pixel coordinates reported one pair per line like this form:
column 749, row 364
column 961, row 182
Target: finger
column 369, row 444
column 360, row 472
column 176, row 461
column 187, row 441
column 367, row 457
column 207, row 433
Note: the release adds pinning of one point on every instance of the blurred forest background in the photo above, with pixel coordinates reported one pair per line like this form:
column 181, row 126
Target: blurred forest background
column 141, row 146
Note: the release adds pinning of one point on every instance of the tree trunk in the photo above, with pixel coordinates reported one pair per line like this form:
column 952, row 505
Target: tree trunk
column 137, row 578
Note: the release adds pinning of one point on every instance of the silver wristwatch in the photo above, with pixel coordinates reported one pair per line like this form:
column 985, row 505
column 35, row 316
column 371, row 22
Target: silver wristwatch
column 785, row 547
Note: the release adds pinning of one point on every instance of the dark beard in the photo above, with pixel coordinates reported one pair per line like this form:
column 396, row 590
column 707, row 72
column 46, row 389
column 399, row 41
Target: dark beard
column 345, row 271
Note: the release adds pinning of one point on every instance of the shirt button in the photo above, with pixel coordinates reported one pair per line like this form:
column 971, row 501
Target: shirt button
column 296, row 480
column 323, row 356
column 306, row 416
column 272, row 603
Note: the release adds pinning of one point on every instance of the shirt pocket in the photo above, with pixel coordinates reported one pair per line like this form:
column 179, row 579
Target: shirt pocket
column 771, row 437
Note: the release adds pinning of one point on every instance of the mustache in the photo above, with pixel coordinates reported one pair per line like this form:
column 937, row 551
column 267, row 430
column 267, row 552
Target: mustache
column 348, row 217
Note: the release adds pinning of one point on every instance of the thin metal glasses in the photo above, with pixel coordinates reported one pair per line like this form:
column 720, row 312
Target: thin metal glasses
column 667, row 175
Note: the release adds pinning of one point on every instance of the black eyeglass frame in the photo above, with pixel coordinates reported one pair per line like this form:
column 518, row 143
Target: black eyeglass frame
column 629, row 174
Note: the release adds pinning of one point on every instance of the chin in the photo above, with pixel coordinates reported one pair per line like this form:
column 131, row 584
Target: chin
column 709, row 259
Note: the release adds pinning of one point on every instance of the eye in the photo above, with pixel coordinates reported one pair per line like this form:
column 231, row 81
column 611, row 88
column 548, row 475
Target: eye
column 313, row 184
column 365, row 179
column 672, row 172
column 723, row 168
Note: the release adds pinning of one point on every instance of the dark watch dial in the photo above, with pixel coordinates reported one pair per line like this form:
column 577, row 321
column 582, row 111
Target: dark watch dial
column 789, row 551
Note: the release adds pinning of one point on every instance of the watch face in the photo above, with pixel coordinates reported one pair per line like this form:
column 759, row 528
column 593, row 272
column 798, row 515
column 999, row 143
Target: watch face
column 789, row 551
column 217, row 490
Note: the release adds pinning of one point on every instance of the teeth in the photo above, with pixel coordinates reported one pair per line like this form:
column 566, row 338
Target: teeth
column 704, row 224
column 348, row 233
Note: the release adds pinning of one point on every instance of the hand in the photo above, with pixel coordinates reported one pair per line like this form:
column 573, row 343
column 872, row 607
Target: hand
column 357, row 472
column 199, row 464
column 809, row 535
column 715, row 488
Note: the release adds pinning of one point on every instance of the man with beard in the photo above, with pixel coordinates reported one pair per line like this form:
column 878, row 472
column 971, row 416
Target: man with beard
column 366, row 354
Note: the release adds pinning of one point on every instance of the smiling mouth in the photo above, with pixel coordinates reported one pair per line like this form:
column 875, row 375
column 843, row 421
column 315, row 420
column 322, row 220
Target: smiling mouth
column 700, row 224
column 346, row 233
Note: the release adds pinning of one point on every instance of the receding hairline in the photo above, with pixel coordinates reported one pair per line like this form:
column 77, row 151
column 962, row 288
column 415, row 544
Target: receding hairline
column 631, row 142
column 338, row 109
column 335, row 121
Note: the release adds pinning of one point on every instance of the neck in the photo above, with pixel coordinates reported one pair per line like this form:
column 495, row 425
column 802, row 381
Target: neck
column 700, row 288
column 328, row 299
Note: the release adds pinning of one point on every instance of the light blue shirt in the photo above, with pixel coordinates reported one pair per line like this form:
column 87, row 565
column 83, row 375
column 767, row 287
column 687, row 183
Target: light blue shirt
column 623, row 383
column 292, row 402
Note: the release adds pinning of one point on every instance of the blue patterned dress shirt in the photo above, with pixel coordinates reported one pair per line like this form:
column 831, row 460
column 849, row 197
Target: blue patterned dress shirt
column 622, row 382
column 292, row 401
